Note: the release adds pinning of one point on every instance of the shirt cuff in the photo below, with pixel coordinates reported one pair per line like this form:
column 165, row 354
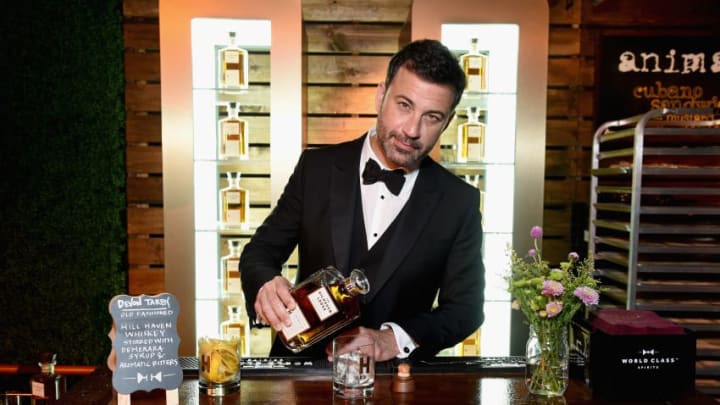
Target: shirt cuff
column 403, row 340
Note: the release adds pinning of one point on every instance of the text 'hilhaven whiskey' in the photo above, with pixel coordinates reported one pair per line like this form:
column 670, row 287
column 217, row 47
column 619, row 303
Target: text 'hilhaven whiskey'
column 325, row 302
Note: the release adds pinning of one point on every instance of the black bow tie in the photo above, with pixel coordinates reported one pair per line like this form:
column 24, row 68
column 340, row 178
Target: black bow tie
column 393, row 179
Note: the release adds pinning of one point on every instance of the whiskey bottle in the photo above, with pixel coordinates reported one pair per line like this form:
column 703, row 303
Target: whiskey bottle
column 324, row 303
column 470, row 346
column 230, row 265
column 236, row 327
column 233, row 135
column 46, row 386
column 474, row 64
column 232, row 66
column 234, row 204
column 471, row 138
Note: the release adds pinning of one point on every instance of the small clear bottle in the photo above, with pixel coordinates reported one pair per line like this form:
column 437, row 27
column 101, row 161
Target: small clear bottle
column 237, row 327
column 471, row 138
column 230, row 265
column 232, row 66
column 234, row 204
column 46, row 386
column 474, row 64
column 325, row 302
column 233, row 135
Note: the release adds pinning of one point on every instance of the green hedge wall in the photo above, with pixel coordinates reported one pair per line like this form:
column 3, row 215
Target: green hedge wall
column 62, row 178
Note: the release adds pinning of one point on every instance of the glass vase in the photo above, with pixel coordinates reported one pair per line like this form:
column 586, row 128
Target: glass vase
column 547, row 358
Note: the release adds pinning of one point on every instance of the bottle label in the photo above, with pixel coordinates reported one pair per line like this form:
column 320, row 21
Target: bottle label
column 323, row 303
column 298, row 323
column 234, row 197
column 38, row 389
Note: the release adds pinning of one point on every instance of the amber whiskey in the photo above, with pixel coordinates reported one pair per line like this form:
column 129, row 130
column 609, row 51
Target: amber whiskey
column 232, row 66
column 474, row 64
column 470, row 346
column 237, row 327
column 230, row 265
column 325, row 302
column 471, row 138
column 233, row 135
column 234, row 204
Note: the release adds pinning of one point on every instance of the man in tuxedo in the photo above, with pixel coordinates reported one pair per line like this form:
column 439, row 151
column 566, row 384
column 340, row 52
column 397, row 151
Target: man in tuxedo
column 418, row 237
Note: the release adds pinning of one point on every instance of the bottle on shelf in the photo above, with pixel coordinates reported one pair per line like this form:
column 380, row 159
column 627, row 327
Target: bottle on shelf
column 471, row 138
column 470, row 346
column 474, row 180
column 46, row 386
column 325, row 302
column 474, row 64
column 237, row 327
column 230, row 265
column 234, row 204
column 233, row 135
column 232, row 66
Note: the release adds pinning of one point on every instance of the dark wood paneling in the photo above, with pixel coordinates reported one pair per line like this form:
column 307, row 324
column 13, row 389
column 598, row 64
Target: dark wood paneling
column 651, row 13
column 353, row 10
column 141, row 34
column 143, row 127
column 144, row 190
column 140, row 8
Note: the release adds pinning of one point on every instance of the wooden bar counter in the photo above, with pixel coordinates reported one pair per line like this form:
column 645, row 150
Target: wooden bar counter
column 492, row 388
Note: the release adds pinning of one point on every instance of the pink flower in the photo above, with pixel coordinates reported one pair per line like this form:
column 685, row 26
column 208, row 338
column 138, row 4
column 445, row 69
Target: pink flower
column 536, row 232
column 573, row 256
column 553, row 308
column 587, row 295
column 553, row 288
column 532, row 252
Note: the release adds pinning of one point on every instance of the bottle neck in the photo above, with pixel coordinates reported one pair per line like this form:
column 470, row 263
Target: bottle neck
column 47, row 368
column 357, row 283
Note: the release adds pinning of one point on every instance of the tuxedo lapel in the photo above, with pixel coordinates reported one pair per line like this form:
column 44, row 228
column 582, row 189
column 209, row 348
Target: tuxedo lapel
column 410, row 224
column 344, row 186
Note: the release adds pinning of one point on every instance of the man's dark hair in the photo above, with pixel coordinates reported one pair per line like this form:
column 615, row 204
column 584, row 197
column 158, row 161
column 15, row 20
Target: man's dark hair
column 431, row 60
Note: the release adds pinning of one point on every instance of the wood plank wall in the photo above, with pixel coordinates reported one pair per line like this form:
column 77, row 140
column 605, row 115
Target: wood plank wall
column 143, row 153
column 348, row 45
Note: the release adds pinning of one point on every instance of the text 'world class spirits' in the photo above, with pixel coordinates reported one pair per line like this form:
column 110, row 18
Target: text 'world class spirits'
column 325, row 302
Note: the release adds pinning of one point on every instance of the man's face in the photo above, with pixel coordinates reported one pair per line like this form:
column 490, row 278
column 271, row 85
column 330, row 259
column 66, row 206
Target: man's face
column 412, row 113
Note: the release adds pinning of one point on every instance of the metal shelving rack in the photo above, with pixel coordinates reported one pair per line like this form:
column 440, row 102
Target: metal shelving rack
column 654, row 229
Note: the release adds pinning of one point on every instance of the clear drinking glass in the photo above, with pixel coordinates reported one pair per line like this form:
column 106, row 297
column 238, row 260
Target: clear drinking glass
column 353, row 366
column 219, row 365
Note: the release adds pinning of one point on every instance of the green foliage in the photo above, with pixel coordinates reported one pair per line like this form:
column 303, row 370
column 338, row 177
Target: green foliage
column 62, row 238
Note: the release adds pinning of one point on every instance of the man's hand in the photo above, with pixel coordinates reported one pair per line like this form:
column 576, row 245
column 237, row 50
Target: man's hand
column 273, row 303
column 385, row 345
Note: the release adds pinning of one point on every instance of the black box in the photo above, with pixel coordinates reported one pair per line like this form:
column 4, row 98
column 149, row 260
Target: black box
column 635, row 355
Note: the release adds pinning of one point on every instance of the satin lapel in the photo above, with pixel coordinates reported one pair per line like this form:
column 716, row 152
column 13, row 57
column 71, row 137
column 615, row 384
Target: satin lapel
column 411, row 222
column 344, row 186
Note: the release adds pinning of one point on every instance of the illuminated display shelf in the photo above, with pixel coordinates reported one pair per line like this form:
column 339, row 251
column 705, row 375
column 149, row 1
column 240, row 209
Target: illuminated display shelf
column 191, row 34
column 514, row 36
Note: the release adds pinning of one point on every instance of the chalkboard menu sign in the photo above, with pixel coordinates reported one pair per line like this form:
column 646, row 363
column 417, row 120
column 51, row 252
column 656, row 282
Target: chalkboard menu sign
column 146, row 343
column 636, row 74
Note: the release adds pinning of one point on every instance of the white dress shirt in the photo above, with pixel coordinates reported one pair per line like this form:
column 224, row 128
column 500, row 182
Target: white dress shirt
column 380, row 207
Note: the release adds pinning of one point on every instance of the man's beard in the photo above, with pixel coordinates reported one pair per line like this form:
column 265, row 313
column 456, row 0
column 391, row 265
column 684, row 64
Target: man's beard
column 409, row 160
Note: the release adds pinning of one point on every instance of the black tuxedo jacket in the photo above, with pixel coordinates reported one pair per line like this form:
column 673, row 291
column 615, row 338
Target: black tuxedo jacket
column 434, row 249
